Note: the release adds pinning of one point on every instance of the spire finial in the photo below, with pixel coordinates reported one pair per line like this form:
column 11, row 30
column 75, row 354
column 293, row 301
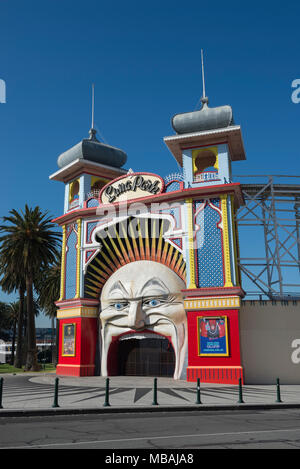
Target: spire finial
column 92, row 131
column 204, row 99
column 93, row 103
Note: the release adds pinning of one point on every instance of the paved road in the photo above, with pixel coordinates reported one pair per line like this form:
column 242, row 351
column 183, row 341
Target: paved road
column 223, row 429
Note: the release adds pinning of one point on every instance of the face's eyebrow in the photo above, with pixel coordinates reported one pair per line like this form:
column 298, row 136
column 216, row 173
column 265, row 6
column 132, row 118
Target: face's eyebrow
column 157, row 284
column 118, row 287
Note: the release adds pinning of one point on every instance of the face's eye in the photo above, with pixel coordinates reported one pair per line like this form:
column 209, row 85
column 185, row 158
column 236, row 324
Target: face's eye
column 151, row 303
column 119, row 306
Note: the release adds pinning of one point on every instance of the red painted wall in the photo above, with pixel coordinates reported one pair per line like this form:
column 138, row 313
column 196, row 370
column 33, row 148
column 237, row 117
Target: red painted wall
column 85, row 347
column 234, row 358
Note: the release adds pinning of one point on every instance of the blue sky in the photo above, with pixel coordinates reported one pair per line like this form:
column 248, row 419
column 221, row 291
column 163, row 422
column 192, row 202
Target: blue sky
column 144, row 59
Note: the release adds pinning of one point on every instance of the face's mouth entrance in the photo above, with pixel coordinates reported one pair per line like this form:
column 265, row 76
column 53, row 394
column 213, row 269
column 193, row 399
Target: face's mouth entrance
column 141, row 354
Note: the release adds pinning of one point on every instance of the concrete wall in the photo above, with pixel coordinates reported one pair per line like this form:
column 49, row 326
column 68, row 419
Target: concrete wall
column 270, row 341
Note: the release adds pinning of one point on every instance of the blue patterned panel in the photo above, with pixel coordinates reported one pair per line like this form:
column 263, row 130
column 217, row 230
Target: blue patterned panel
column 173, row 186
column 88, row 254
column 92, row 203
column 215, row 201
column 177, row 241
column 209, row 255
column 90, row 227
column 71, row 266
column 197, row 203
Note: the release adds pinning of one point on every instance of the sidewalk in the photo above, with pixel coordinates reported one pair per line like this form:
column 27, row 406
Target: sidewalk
column 33, row 394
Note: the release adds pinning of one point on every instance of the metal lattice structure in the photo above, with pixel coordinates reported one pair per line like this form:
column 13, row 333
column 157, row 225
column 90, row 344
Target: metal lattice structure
column 272, row 266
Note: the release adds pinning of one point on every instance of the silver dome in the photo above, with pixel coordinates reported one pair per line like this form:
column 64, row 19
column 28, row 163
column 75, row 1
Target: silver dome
column 92, row 150
column 205, row 119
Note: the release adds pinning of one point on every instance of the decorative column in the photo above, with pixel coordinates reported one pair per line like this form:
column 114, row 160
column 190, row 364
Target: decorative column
column 213, row 308
column 77, row 337
column 63, row 265
column 78, row 319
column 235, row 240
column 78, row 258
column 226, row 245
column 192, row 272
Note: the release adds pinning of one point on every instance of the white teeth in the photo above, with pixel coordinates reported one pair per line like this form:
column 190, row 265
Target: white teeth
column 144, row 335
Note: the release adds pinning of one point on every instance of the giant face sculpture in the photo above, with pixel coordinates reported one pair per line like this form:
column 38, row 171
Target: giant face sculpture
column 140, row 300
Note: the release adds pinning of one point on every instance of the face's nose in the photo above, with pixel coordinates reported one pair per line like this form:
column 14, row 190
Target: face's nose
column 136, row 316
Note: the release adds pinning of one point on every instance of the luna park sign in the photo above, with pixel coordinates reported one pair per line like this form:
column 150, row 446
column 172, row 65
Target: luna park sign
column 133, row 186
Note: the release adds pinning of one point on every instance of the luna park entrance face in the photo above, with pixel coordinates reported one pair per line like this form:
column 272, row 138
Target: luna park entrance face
column 146, row 357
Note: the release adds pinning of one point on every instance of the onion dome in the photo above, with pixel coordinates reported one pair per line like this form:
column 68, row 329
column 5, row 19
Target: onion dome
column 90, row 149
column 205, row 119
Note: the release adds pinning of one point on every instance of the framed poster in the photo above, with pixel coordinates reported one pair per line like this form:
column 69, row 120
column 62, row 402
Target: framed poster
column 212, row 336
column 68, row 340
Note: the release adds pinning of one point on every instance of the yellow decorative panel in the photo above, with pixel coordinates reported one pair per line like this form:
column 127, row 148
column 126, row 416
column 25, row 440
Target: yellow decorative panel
column 78, row 312
column 78, row 271
column 63, row 265
column 212, row 303
column 192, row 279
column 226, row 245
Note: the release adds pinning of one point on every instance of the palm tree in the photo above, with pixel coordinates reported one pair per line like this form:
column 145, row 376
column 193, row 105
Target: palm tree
column 4, row 321
column 28, row 238
column 48, row 288
column 12, row 279
column 13, row 313
column 8, row 321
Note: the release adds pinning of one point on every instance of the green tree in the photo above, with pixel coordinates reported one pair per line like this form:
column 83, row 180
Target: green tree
column 48, row 290
column 23, row 354
column 29, row 238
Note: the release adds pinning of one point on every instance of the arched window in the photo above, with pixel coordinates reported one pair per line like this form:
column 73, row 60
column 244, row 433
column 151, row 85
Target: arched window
column 97, row 185
column 205, row 165
column 74, row 194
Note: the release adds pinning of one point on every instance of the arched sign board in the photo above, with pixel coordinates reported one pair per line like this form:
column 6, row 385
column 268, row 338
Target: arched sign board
column 132, row 186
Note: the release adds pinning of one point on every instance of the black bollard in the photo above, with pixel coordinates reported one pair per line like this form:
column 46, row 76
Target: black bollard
column 278, row 391
column 55, row 401
column 155, row 392
column 240, row 401
column 198, row 401
column 1, row 391
column 106, row 403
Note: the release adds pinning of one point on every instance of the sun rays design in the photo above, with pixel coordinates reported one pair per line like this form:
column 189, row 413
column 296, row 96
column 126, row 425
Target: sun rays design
column 130, row 240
